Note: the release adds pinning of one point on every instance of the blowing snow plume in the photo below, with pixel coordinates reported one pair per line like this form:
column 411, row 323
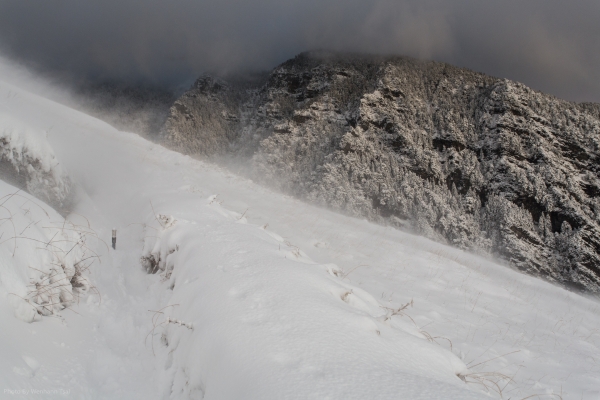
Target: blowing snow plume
column 485, row 164
column 28, row 162
column 256, row 295
column 260, row 296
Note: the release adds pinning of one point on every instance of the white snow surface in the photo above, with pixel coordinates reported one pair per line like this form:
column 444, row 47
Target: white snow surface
column 43, row 258
column 260, row 296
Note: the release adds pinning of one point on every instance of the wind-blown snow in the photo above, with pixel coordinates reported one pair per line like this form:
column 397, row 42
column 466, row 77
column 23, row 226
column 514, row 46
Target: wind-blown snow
column 262, row 296
column 31, row 159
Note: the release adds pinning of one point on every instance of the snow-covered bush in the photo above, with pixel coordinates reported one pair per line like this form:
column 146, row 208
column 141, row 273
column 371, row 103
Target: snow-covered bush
column 155, row 254
column 43, row 257
column 28, row 162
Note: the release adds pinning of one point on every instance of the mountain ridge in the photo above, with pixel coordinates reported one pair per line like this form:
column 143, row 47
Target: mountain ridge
column 486, row 164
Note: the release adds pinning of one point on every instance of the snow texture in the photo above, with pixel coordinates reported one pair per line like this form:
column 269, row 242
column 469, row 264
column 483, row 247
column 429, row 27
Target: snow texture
column 222, row 289
column 484, row 164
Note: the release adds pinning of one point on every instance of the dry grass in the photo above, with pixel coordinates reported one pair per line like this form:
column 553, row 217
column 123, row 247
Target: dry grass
column 490, row 381
column 157, row 322
column 61, row 284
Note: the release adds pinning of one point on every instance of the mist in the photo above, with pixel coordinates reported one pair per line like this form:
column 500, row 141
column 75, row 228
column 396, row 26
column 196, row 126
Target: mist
column 550, row 45
column 274, row 296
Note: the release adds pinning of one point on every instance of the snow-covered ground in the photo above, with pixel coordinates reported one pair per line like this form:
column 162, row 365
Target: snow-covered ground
column 260, row 296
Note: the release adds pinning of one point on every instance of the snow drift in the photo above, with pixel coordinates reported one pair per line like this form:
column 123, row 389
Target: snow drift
column 43, row 258
column 260, row 309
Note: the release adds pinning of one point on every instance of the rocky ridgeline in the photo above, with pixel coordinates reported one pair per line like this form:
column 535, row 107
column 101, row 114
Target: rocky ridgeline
column 485, row 164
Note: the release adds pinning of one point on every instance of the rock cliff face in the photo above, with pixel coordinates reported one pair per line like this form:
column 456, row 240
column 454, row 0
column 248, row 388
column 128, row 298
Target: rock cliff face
column 482, row 163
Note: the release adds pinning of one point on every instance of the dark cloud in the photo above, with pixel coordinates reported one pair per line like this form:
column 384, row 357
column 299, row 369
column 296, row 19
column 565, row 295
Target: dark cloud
column 551, row 45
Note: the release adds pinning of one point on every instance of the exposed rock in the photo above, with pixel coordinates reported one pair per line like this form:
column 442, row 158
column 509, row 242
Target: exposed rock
column 485, row 164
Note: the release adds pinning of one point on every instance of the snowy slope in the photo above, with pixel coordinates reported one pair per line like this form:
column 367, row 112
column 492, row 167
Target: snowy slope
column 485, row 164
column 261, row 296
column 43, row 258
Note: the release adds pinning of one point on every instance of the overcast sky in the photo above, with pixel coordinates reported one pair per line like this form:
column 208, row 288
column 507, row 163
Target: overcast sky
column 550, row 45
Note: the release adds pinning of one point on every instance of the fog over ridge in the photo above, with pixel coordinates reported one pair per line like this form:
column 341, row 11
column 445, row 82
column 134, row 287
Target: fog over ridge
column 550, row 45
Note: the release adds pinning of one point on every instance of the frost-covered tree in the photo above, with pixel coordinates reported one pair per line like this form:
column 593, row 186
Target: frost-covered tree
column 28, row 162
column 482, row 163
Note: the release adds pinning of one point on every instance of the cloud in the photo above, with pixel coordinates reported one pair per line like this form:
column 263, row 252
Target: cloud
column 550, row 45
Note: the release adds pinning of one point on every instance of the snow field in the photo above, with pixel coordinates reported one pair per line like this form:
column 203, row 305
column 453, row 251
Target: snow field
column 517, row 335
column 264, row 321
column 274, row 298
